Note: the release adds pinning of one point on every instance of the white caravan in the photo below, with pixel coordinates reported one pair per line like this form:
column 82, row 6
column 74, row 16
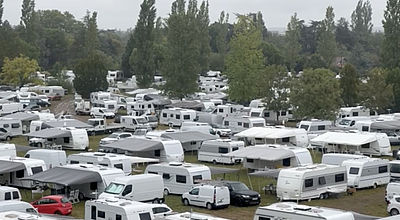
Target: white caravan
column 394, row 169
column 10, row 107
column 208, row 196
column 141, row 107
column 271, row 116
column 9, row 193
column 50, row 91
column 69, row 138
column 240, row 123
column 337, row 159
column 228, row 110
column 350, row 122
column 14, row 126
column 312, row 181
column 141, row 188
column 274, row 135
column 293, row 211
column 14, row 169
column 103, row 159
column 366, row 143
column 96, row 98
column 176, row 116
column 315, row 127
column 202, row 127
column 355, row 112
column 179, row 177
column 52, row 158
column 117, row 209
column 215, row 151
column 367, row 172
column 7, row 150
column 264, row 157
column 131, row 123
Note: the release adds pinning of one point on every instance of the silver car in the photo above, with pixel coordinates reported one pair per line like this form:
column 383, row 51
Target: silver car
column 5, row 135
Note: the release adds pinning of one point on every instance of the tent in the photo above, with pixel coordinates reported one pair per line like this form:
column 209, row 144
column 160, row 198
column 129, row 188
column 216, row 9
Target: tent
column 136, row 145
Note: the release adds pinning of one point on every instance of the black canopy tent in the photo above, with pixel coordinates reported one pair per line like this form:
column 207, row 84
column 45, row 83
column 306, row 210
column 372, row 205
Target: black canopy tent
column 136, row 145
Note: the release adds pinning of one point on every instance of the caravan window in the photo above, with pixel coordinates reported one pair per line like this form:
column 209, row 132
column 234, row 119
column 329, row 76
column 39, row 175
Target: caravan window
column 119, row 166
column 239, row 123
column 283, row 113
column 93, row 213
column 7, row 196
column 266, row 115
column 178, row 116
column 365, row 128
column 286, row 162
column 339, row 177
column 221, row 110
column 93, row 186
column 180, row 179
column 285, row 140
column 186, row 117
column 308, row 183
column 66, row 140
column 19, row 173
column 248, row 160
column 37, row 170
column 321, row 127
column 355, row 114
column 101, row 214
column 164, row 115
column 354, row 170
column 6, row 125
column 223, row 150
column 321, row 180
column 74, row 162
column 365, row 145
column 197, row 178
column 144, row 216
column 226, row 123
column 246, row 125
column 235, row 149
column 15, row 125
column 118, row 217
column 383, row 169
column 157, row 153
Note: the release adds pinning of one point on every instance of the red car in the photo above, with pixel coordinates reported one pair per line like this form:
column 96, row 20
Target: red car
column 53, row 205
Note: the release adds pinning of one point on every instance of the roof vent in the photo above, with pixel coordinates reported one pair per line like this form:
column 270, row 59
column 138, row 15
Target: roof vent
column 99, row 154
column 176, row 164
column 302, row 208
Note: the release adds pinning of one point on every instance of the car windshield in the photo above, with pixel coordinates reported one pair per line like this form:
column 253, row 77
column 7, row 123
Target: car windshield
column 152, row 119
column 64, row 200
column 345, row 122
column 239, row 186
column 114, row 188
column 113, row 136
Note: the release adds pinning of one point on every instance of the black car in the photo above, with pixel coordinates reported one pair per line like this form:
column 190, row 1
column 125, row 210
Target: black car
column 241, row 195
column 43, row 103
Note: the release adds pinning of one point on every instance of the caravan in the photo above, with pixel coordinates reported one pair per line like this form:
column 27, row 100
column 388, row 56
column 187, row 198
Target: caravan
column 312, row 181
column 215, row 151
column 52, row 158
column 10, row 107
column 240, row 123
column 367, row 172
column 176, row 116
column 14, row 126
column 355, row 112
column 179, row 177
column 315, row 127
column 337, row 159
column 108, row 160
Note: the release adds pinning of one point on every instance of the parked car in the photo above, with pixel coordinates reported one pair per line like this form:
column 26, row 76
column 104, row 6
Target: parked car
column 241, row 195
column 97, row 112
column 43, row 103
column 394, row 205
column 53, row 205
column 208, row 196
column 5, row 135
column 161, row 210
column 115, row 137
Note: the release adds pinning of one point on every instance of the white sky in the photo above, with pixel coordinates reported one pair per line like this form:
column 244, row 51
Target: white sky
column 122, row 14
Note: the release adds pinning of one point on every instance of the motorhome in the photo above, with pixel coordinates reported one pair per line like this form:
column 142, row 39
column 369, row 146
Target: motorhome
column 311, row 181
column 10, row 107
column 350, row 122
column 176, row 116
column 7, row 150
column 14, row 169
column 315, row 127
column 179, row 177
column 264, row 157
column 239, row 123
column 131, row 123
column 114, row 76
column 9, row 193
column 215, row 151
column 274, row 135
column 367, row 172
column 394, row 169
column 294, row 211
column 117, row 209
column 141, row 107
column 104, row 159
column 52, row 158
column 14, row 126
column 355, row 112
column 390, row 126
column 82, row 107
column 367, row 143
column 141, row 188
column 96, row 98
column 337, row 158
column 90, row 180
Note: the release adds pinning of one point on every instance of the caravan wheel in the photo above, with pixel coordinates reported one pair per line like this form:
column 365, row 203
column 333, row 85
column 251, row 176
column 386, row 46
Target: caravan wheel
column 375, row 186
column 394, row 212
column 166, row 192
column 322, row 196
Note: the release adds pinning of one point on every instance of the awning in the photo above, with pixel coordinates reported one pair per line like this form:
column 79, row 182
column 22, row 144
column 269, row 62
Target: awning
column 188, row 136
column 274, row 173
column 385, row 125
column 65, row 176
column 7, row 166
column 50, row 133
column 262, row 153
column 345, row 138
column 269, row 132
column 136, row 144
column 23, row 116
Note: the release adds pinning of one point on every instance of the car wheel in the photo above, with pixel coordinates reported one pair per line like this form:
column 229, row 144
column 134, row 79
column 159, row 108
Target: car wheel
column 375, row 186
column 322, row 196
column 40, row 145
column 57, row 212
column 166, row 192
column 394, row 212
column 186, row 202
column 155, row 201
column 209, row 206
column 8, row 138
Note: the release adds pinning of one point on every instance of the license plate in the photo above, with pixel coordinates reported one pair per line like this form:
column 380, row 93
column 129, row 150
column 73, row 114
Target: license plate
column 255, row 198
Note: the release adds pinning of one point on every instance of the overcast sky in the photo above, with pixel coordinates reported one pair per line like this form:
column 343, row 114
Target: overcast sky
column 122, row 14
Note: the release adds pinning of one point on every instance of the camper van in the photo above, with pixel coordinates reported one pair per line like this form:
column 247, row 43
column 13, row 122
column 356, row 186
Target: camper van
column 52, row 158
column 131, row 123
column 337, row 159
column 367, row 172
column 104, row 159
column 141, row 107
column 96, row 98
column 14, row 126
column 311, row 181
column 176, row 116
column 294, row 211
column 9, row 193
column 315, row 127
column 117, row 209
column 7, row 150
column 141, row 188
column 18, row 168
column 10, row 107
column 355, row 112
column 179, row 177
column 241, row 123
column 215, row 151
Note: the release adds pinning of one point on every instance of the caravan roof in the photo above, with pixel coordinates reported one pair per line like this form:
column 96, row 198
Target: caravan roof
column 270, row 132
column 11, row 164
column 313, row 168
column 362, row 161
column 129, row 206
column 347, row 138
column 190, row 167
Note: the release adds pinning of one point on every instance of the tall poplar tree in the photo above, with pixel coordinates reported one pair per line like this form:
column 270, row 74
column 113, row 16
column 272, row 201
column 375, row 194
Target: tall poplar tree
column 293, row 46
column 326, row 45
column 349, row 84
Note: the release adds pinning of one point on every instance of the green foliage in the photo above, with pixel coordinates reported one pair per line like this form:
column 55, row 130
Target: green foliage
column 349, row 84
column 19, row 71
column 244, row 61
column 326, row 46
column 203, row 21
column 271, row 54
column 393, row 78
column 91, row 39
column 391, row 43
column 343, row 34
column 218, row 32
column 361, row 23
column 376, row 93
column 316, row 94
column 125, row 64
column 293, row 46
column 91, row 75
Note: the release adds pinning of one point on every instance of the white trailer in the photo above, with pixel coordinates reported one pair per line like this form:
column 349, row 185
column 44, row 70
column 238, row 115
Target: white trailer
column 10, row 107
column 240, row 123
column 52, row 92
column 141, row 107
column 215, row 151
column 312, row 181
column 356, row 111
column 293, row 211
column 52, row 158
column 367, row 172
column 176, row 116
column 103, row 159
column 14, row 126
column 337, row 159
column 315, row 127
column 179, row 177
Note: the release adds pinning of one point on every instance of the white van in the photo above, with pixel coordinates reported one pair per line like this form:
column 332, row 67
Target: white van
column 208, row 196
column 394, row 169
column 52, row 158
column 293, row 211
column 367, row 172
column 179, row 177
column 9, row 193
column 392, row 189
column 141, row 188
column 117, row 209
column 131, row 123
column 119, row 161
column 96, row 112
column 176, row 116
column 312, row 181
column 18, row 206
column 14, row 126
column 7, row 150
column 337, row 159
column 215, row 151
column 10, row 107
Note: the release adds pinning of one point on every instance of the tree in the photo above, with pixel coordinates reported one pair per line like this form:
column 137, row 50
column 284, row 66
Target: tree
column 271, row 54
column 361, row 23
column 19, row 71
column 316, row 94
column 218, row 32
column 326, row 46
column 376, row 93
column 125, row 64
column 28, row 20
column 1, row 11
column 143, row 63
column 293, row 46
column 343, row 34
column 349, row 84
column 91, row 39
column 244, row 61
column 91, row 73
column 203, row 21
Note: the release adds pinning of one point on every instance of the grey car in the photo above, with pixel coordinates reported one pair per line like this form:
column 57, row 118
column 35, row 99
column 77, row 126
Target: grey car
column 4, row 134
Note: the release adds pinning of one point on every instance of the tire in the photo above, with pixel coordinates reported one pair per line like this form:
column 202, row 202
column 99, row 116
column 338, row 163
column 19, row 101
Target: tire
column 166, row 192
column 81, row 196
column 322, row 196
column 209, row 206
column 57, row 213
column 8, row 138
column 40, row 145
column 394, row 212
column 186, row 202
column 375, row 186
column 156, row 201
column 214, row 162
